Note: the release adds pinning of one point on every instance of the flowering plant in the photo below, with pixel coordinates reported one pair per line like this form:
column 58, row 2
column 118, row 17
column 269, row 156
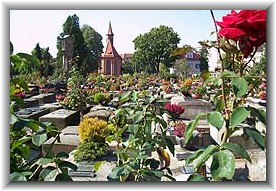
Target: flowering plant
column 179, row 128
column 174, row 110
column 239, row 37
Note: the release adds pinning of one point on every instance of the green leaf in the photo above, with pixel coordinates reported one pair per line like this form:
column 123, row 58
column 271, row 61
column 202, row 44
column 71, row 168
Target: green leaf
column 193, row 156
column 134, row 96
column 16, row 176
column 170, row 145
column 258, row 113
column 13, row 119
column 162, row 122
column 20, row 124
column 116, row 172
column 20, row 141
column 238, row 116
column 124, row 97
column 191, row 127
column 189, row 131
column 216, row 119
column 44, row 161
column 196, row 177
column 204, row 156
column 68, row 165
column 256, row 136
column 137, row 117
column 240, row 86
column 63, row 177
column 39, row 139
column 62, row 155
column 237, row 149
column 25, row 151
column 133, row 129
column 223, row 165
column 156, row 173
column 97, row 165
column 48, row 173
column 228, row 74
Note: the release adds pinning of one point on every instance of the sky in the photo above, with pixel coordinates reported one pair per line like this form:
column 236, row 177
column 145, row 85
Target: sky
column 29, row 27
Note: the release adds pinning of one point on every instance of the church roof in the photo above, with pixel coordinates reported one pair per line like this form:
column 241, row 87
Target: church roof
column 110, row 50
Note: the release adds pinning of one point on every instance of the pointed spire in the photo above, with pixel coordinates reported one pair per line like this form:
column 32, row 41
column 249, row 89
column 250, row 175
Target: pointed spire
column 110, row 33
column 110, row 29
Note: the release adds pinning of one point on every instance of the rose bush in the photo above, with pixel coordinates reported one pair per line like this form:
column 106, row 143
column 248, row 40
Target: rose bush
column 248, row 27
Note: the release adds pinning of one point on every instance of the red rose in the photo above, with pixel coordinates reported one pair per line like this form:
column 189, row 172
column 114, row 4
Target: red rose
column 248, row 27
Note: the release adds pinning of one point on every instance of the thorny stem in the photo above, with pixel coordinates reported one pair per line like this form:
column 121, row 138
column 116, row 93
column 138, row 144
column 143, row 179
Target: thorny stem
column 223, row 80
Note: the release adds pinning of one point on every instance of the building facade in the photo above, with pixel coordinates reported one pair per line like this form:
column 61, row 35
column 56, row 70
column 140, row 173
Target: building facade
column 111, row 61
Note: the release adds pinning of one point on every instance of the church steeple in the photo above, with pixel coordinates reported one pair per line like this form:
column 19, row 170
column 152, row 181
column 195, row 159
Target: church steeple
column 110, row 33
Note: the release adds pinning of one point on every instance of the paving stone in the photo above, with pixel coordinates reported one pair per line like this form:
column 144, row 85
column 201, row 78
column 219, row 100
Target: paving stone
column 257, row 169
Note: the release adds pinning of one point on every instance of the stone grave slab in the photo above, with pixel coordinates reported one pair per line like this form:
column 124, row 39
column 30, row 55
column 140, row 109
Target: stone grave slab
column 69, row 140
column 32, row 113
column 31, row 102
column 46, row 98
column 193, row 107
column 62, row 118
column 51, row 106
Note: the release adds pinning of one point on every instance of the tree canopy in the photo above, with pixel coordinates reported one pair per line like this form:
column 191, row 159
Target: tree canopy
column 94, row 47
column 204, row 54
column 153, row 48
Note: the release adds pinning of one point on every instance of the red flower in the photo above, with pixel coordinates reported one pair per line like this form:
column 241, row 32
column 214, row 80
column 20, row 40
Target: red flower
column 248, row 27
column 174, row 109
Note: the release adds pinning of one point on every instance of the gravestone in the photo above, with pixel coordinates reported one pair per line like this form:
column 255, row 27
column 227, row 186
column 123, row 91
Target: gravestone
column 51, row 106
column 62, row 118
column 69, row 140
column 31, row 102
column 193, row 107
column 46, row 98
column 32, row 113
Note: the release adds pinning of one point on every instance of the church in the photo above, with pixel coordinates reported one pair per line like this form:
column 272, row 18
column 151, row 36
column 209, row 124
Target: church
column 111, row 61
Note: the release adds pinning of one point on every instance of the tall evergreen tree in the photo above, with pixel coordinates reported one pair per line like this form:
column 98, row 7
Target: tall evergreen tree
column 94, row 47
column 204, row 54
column 71, row 27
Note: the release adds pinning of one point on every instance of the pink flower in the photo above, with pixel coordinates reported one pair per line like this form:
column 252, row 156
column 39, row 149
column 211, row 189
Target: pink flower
column 174, row 109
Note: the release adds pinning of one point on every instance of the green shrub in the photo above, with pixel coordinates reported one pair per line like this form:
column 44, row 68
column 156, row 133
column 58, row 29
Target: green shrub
column 90, row 150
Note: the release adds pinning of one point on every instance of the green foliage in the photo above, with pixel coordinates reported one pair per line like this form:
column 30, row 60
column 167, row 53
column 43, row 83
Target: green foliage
column 71, row 27
column 94, row 129
column 204, row 54
column 93, row 42
column 153, row 48
column 76, row 97
column 233, row 87
column 134, row 155
column 90, row 150
column 28, row 134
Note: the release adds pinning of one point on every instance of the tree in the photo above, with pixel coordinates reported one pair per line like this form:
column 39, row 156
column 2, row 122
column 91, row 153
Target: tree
column 182, row 69
column 155, row 47
column 94, row 47
column 71, row 27
column 204, row 54
column 45, row 58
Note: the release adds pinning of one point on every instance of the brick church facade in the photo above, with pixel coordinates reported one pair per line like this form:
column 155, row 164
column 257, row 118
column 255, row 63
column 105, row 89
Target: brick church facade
column 111, row 61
